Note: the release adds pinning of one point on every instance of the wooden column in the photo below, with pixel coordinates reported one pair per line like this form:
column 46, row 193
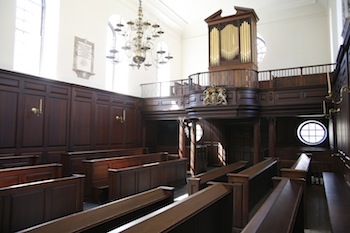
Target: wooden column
column 193, row 149
column 257, row 141
column 182, row 144
column 272, row 137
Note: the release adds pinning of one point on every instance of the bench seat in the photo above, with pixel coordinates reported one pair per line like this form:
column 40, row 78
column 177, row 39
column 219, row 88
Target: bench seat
column 338, row 199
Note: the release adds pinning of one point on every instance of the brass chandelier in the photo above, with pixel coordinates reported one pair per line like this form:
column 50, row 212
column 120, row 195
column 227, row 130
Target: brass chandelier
column 140, row 36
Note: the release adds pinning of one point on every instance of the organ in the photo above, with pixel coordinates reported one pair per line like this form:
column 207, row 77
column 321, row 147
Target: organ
column 232, row 40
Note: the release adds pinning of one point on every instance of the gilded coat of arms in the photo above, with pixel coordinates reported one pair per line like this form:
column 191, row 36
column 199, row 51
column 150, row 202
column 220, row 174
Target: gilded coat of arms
column 214, row 96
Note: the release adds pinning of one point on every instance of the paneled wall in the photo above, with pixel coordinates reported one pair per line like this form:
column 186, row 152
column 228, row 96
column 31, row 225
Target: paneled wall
column 341, row 120
column 66, row 117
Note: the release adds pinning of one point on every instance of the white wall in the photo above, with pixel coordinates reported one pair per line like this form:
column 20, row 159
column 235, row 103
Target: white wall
column 294, row 37
column 7, row 29
column 86, row 19
column 90, row 22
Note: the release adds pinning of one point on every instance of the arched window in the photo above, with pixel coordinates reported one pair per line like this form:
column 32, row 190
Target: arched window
column 312, row 132
column 28, row 37
column 116, row 65
column 261, row 48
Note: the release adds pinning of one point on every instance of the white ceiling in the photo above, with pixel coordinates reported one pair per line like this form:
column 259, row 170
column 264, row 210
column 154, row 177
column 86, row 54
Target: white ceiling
column 187, row 16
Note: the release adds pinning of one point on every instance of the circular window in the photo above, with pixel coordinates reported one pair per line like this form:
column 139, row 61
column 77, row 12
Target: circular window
column 199, row 131
column 312, row 132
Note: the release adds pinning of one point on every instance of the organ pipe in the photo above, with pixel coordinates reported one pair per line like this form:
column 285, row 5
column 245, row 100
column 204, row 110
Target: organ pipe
column 214, row 47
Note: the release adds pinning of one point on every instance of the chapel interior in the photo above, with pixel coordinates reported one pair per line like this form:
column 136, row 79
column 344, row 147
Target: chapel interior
column 238, row 122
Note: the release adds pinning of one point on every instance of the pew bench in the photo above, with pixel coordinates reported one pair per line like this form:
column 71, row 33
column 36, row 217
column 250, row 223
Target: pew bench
column 337, row 192
column 29, row 204
column 73, row 161
column 13, row 160
column 209, row 210
column 18, row 175
column 300, row 169
column 256, row 183
column 131, row 180
column 198, row 182
column 110, row 215
column 96, row 171
column 282, row 211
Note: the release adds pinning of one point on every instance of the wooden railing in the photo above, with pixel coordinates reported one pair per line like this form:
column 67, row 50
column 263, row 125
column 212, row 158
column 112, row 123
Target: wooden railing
column 239, row 78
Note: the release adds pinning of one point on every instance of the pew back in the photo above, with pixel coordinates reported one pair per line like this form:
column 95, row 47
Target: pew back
column 28, row 204
column 13, row 160
column 73, row 161
column 110, row 215
column 128, row 181
column 209, row 210
column 197, row 182
column 96, row 170
column 256, row 183
column 284, row 204
column 18, row 175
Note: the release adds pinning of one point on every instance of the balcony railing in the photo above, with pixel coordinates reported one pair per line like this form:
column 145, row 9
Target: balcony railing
column 237, row 78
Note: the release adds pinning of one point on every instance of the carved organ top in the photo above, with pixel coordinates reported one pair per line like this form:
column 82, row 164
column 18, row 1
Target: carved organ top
column 232, row 40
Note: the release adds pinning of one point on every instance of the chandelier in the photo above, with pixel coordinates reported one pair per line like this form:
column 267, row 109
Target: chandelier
column 140, row 36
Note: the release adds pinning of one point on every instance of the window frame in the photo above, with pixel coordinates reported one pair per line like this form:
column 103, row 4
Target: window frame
column 302, row 138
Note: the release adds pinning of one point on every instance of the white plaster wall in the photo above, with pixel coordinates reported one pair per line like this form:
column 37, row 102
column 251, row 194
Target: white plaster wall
column 297, row 37
column 7, row 33
column 294, row 38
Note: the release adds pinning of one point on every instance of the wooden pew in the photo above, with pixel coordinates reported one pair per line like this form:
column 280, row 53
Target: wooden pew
column 256, row 183
column 110, row 215
column 338, row 200
column 96, row 171
column 131, row 180
column 13, row 160
column 209, row 210
column 282, row 211
column 18, row 175
column 73, row 161
column 198, row 182
column 300, row 169
column 29, row 204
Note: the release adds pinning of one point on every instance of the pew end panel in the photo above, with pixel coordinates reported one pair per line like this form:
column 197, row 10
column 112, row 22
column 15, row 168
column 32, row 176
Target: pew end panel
column 29, row 204
column 299, row 169
column 110, row 215
column 199, row 181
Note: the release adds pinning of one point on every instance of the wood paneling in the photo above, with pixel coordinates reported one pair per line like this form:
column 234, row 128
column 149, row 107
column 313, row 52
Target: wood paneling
column 8, row 116
column 73, row 117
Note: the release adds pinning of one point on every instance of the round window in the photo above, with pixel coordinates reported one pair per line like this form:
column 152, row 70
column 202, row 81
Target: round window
column 312, row 132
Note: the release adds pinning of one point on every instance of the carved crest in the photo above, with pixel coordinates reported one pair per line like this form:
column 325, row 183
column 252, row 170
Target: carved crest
column 214, row 96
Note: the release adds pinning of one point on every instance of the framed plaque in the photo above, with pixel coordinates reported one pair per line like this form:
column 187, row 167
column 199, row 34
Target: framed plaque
column 83, row 63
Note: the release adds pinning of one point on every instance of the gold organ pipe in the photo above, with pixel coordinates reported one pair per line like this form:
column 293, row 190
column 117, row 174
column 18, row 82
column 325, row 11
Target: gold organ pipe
column 245, row 42
column 214, row 47
column 229, row 42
